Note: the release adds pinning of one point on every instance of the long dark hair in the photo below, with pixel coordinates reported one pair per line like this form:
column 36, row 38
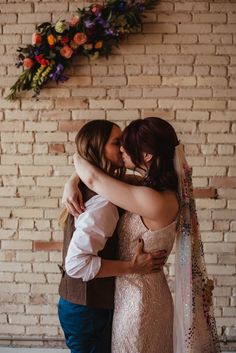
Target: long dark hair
column 157, row 137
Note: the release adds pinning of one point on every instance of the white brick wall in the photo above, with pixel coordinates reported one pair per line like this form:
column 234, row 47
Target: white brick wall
column 182, row 67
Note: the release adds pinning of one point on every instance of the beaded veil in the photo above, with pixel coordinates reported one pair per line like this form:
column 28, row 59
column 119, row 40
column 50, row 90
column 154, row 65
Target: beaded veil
column 194, row 322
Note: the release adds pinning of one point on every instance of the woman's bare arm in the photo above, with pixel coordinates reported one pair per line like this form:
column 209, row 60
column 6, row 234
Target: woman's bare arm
column 72, row 197
column 141, row 200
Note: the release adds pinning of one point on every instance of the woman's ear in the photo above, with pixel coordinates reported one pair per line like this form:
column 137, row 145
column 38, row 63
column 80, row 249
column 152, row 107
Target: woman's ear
column 147, row 157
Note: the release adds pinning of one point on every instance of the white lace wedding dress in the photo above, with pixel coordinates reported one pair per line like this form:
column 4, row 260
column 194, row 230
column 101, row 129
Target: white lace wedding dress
column 143, row 316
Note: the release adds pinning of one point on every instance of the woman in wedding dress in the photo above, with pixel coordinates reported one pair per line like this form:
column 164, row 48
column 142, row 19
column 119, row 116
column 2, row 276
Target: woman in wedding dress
column 159, row 210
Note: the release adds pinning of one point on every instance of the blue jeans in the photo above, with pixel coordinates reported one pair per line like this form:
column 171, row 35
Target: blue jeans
column 86, row 330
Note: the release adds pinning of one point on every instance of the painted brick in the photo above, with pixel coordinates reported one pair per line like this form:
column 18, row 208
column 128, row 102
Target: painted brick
column 167, row 70
column 159, row 92
column 36, row 105
column 212, row 60
column 209, row 171
column 209, row 104
column 212, row 81
column 194, row 28
column 202, row 70
column 85, row 115
column 51, row 137
column 224, row 116
column 209, row 18
column 222, row 160
column 144, row 80
column 49, row 160
column 11, row 126
column 14, row 244
column 105, row 104
column 16, row 137
column 162, row 49
column 140, row 103
column 19, row 159
column 195, row 92
column 226, row 28
column 175, row 104
column 225, row 149
column 184, row 70
column 18, row 28
column 122, row 114
column 214, row 127
column 38, row 126
column 179, row 81
column 197, row 49
column 33, row 17
column 191, row 6
column 109, row 81
column 51, row 7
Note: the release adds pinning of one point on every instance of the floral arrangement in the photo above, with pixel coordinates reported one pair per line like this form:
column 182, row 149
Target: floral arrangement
column 91, row 32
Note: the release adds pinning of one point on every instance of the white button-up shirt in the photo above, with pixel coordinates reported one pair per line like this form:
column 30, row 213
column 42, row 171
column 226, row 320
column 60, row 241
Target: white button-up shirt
column 92, row 229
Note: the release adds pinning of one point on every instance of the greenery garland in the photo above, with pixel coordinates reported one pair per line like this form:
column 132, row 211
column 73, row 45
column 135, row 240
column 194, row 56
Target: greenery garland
column 92, row 32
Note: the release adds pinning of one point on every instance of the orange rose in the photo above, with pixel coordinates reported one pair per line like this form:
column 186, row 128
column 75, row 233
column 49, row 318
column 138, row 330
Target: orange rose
column 36, row 38
column 27, row 63
column 80, row 38
column 98, row 45
column 66, row 51
column 51, row 39
column 96, row 8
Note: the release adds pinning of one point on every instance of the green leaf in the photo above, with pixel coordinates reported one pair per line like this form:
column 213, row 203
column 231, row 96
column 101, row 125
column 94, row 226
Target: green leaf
column 122, row 21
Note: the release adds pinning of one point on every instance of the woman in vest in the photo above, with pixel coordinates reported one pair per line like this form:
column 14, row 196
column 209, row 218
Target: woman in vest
column 89, row 251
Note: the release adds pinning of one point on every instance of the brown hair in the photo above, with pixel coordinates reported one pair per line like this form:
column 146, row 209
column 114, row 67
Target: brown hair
column 90, row 142
column 157, row 137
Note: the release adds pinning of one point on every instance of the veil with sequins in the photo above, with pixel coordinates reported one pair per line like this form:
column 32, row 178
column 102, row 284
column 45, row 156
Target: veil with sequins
column 194, row 322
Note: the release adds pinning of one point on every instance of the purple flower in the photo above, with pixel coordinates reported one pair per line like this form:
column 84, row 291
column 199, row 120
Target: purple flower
column 88, row 24
column 56, row 75
column 102, row 22
column 59, row 68
column 53, row 76
column 142, row 8
column 110, row 31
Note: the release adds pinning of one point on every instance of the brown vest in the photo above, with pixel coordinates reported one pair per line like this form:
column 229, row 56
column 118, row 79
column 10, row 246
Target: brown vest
column 97, row 293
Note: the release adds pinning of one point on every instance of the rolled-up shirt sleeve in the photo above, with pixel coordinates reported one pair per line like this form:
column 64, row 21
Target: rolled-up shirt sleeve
column 92, row 229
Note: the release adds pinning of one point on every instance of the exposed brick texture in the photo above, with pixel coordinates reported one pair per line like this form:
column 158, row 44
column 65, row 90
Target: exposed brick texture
column 182, row 67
